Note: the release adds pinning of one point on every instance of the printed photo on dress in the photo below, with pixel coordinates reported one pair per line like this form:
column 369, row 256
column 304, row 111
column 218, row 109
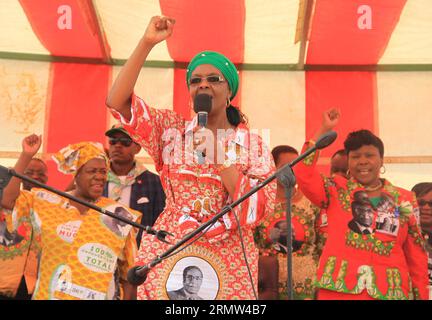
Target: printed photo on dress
column 7, row 238
column 192, row 278
column 278, row 234
column 61, row 280
column 387, row 222
column 363, row 214
column 322, row 219
column 117, row 226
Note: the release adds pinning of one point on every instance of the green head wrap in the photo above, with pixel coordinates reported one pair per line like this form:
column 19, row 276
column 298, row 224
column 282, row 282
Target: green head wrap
column 222, row 63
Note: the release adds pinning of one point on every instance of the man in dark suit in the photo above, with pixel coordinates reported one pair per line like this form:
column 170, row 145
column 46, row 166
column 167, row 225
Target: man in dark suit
column 362, row 218
column 192, row 280
column 279, row 236
column 129, row 182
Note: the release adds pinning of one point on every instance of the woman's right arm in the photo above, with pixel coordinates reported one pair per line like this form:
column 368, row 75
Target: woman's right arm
column 30, row 146
column 309, row 179
column 119, row 97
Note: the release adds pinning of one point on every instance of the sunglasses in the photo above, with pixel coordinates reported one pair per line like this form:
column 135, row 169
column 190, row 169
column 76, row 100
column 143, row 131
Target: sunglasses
column 422, row 203
column 210, row 79
column 126, row 142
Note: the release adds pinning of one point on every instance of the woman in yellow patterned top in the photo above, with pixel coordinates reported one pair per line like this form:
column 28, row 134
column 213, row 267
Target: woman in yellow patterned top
column 271, row 238
column 83, row 254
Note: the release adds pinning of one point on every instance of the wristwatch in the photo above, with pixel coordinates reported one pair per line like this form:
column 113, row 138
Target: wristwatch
column 227, row 163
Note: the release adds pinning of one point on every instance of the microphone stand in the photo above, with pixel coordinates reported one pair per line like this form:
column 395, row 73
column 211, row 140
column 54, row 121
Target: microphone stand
column 286, row 177
column 138, row 274
column 6, row 174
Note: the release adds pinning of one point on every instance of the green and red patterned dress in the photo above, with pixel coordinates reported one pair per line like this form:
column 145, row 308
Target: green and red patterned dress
column 305, row 255
column 386, row 260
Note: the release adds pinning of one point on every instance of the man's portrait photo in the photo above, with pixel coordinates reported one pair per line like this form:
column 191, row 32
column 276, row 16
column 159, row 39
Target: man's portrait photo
column 119, row 227
column 192, row 278
column 363, row 216
column 7, row 238
column 387, row 222
column 362, row 197
column 279, row 236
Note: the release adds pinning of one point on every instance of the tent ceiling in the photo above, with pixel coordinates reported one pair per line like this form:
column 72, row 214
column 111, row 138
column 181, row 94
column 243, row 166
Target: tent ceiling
column 411, row 41
column 269, row 32
column 17, row 34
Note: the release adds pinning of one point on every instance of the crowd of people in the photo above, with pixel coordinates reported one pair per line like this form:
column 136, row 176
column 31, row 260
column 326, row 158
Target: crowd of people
column 355, row 235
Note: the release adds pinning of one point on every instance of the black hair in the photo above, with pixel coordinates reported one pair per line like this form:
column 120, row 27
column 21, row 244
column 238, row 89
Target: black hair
column 336, row 167
column 354, row 206
column 282, row 149
column 357, row 139
column 340, row 152
column 361, row 197
column 358, row 205
column 185, row 270
column 235, row 116
column 420, row 189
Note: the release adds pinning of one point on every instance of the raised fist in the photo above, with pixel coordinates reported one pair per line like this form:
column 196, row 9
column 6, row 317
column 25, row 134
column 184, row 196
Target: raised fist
column 31, row 144
column 158, row 29
column 330, row 119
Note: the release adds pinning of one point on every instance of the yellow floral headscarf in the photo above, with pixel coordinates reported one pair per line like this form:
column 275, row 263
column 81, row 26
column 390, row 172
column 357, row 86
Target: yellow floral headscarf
column 74, row 156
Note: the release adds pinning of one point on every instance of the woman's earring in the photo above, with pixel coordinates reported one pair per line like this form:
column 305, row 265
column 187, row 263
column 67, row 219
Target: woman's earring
column 228, row 102
column 382, row 169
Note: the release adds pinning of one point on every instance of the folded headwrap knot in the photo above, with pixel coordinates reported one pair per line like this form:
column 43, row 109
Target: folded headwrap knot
column 74, row 156
column 222, row 63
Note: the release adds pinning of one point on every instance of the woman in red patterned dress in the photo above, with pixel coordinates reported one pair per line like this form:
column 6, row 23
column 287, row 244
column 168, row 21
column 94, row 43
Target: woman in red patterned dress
column 197, row 189
column 374, row 248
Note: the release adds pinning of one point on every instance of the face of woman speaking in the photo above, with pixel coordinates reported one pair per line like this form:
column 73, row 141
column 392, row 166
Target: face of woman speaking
column 364, row 164
column 219, row 91
column 91, row 178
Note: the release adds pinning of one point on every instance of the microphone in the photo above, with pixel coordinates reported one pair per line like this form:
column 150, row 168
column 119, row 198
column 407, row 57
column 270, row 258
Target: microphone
column 160, row 234
column 138, row 274
column 326, row 139
column 202, row 107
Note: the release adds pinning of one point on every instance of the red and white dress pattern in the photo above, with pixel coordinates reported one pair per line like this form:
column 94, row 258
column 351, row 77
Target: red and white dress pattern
column 195, row 193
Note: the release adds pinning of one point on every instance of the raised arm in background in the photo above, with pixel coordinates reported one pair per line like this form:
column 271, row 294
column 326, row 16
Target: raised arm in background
column 30, row 146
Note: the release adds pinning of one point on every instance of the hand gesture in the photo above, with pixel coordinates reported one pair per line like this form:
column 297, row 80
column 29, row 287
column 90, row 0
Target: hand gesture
column 330, row 119
column 158, row 29
column 203, row 143
column 31, row 144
